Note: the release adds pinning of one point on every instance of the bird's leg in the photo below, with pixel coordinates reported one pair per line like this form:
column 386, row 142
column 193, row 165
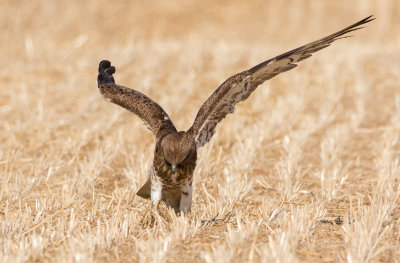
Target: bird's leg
column 156, row 191
column 186, row 198
column 156, row 187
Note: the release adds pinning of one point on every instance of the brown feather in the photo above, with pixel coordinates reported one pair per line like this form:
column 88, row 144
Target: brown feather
column 145, row 190
column 239, row 87
column 150, row 112
column 178, row 149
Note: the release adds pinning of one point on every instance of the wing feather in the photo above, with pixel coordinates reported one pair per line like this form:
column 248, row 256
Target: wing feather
column 239, row 87
column 155, row 118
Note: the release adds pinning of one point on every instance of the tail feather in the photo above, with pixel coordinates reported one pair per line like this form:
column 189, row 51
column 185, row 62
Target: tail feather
column 145, row 190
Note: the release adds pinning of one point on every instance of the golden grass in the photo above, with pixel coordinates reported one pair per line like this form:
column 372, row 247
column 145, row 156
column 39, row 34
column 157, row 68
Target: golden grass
column 306, row 170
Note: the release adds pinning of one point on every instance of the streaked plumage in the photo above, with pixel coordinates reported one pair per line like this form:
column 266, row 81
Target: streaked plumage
column 170, row 176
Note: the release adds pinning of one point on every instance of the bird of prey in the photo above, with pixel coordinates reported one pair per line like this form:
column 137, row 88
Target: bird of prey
column 171, row 173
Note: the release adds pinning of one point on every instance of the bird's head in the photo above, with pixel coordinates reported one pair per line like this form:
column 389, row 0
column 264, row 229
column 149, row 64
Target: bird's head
column 178, row 148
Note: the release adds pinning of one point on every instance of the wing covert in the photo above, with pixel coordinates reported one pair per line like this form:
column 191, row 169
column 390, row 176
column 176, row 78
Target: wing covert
column 155, row 118
column 239, row 87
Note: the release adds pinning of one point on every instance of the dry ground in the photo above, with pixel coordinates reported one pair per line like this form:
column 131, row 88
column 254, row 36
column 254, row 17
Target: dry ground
column 307, row 169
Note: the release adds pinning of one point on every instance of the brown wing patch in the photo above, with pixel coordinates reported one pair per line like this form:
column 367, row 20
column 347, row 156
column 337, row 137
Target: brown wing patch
column 240, row 86
column 155, row 118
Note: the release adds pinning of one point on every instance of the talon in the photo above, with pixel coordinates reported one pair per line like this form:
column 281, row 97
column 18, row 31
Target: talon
column 156, row 204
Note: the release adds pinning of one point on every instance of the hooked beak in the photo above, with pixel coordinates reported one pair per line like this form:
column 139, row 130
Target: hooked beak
column 173, row 168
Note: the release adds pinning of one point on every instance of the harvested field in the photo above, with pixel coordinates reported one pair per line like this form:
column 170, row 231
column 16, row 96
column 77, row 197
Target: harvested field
column 306, row 170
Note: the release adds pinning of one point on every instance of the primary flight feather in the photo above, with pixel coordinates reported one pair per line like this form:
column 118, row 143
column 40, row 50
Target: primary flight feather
column 171, row 173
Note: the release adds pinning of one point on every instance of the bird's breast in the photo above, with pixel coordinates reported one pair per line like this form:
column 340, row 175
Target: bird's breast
column 179, row 178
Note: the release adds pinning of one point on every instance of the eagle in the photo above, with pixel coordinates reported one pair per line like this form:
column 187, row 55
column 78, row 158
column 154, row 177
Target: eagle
column 170, row 176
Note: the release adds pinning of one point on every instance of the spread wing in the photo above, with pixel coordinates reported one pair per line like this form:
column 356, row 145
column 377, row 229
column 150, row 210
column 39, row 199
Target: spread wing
column 156, row 119
column 239, row 87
